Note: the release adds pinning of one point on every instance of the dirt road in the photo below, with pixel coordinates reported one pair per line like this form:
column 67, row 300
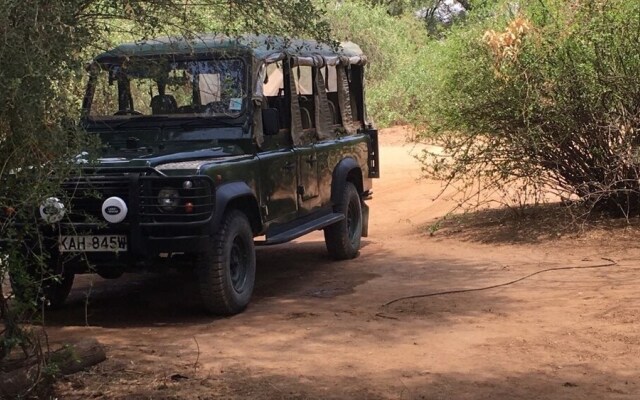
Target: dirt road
column 317, row 329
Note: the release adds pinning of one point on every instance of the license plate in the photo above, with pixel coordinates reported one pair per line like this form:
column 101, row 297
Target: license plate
column 92, row 243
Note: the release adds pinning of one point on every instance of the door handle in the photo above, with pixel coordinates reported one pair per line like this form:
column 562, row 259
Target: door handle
column 288, row 166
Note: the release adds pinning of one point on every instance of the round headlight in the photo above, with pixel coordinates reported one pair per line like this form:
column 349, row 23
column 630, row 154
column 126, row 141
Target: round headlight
column 52, row 210
column 168, row 199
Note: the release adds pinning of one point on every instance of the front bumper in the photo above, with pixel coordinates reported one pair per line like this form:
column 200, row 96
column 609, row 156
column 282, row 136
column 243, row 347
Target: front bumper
column 150, row 230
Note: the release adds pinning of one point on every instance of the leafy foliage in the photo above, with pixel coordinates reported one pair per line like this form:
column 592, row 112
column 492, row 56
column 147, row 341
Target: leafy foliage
column 542, row 96
column 45, row 46
column 397, row 53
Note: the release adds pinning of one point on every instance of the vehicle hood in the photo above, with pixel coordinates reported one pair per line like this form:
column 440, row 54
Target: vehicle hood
column 178, row 152
column 184, row 162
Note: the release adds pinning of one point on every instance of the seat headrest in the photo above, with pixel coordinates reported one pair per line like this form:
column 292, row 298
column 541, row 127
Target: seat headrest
column 164, row 104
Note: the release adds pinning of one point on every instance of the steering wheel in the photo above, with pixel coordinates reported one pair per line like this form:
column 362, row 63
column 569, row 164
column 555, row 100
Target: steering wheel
column 215, row 107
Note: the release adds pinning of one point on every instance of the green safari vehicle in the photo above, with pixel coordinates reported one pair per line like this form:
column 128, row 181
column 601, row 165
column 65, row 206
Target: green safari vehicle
column 210, row 147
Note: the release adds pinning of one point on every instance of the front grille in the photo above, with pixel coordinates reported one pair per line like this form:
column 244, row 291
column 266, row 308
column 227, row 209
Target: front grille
column 86, row 193
column 193, row 204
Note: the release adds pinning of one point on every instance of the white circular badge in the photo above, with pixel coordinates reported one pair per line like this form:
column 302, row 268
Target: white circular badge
column 52, row 210
column 114, row 210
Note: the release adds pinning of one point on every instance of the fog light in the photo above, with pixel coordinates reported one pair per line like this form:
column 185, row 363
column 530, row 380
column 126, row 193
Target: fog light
column 52, row 210
column 168, row 199
column 188, row 208
column 187, row 185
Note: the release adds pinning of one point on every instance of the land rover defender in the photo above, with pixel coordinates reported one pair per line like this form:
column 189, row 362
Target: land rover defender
column 210, row 147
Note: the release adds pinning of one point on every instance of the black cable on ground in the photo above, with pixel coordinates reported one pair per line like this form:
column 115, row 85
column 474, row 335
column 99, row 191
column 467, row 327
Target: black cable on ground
column 611, row 263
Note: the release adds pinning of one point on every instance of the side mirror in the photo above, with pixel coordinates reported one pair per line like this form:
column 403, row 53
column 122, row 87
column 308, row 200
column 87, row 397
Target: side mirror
column 270, row 121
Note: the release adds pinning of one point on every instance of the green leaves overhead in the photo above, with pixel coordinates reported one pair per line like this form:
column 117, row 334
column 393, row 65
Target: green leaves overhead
column 45, row 46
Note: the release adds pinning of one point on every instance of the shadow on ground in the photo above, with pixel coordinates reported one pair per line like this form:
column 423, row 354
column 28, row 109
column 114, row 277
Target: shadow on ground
column 294, row 280
column 153, row 299
column 532, row 225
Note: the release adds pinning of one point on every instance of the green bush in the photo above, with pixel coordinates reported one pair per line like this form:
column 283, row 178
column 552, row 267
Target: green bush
column 397, row 51
column 45, row 45
column 546, row 95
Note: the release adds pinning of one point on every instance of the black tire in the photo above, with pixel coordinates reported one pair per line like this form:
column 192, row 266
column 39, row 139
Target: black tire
column 57, row 290
column 226, row 272
column 343, row 238
column 49, row 286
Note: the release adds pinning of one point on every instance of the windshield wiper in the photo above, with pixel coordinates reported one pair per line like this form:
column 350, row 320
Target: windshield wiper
column 136, row 119
column 201, row 140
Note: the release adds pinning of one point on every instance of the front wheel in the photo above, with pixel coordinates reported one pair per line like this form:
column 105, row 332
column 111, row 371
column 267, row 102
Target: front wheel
column 226, row 272
column 343, row 238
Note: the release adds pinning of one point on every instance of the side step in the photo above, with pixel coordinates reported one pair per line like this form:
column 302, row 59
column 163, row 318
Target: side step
column 302, row 230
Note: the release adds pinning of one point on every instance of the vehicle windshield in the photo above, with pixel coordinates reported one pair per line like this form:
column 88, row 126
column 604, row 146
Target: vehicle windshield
column 149, row 87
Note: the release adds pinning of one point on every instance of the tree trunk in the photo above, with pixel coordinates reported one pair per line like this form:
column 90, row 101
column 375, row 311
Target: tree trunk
column 18, row 378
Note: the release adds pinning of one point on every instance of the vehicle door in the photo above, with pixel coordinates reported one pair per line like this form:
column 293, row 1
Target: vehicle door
column 278, row 160
column 329, row 151
column 305, row 141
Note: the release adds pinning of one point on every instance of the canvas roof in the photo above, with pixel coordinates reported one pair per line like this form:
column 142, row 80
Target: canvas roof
column 262, row 47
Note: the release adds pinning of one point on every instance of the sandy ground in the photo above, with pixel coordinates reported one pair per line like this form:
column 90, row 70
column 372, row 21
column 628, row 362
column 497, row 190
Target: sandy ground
column 317, row 329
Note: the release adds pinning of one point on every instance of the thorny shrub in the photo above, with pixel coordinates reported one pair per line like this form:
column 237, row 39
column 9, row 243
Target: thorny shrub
column 541, row 98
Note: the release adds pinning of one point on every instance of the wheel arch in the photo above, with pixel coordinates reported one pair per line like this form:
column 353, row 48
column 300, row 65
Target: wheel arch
column 347, row 170
column 237, row 196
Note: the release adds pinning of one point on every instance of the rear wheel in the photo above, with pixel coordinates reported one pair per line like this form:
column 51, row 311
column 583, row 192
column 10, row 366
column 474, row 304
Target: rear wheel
column 343, row 238
column 226, row 272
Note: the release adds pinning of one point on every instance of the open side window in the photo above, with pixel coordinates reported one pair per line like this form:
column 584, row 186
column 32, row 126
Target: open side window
column 356, row 93
column 350, row 107
column 330, row 78
column 320, row 101
column 303, row 77
column 275, row 93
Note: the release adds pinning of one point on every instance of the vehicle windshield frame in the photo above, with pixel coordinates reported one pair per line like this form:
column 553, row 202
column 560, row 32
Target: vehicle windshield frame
column 98, row 68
